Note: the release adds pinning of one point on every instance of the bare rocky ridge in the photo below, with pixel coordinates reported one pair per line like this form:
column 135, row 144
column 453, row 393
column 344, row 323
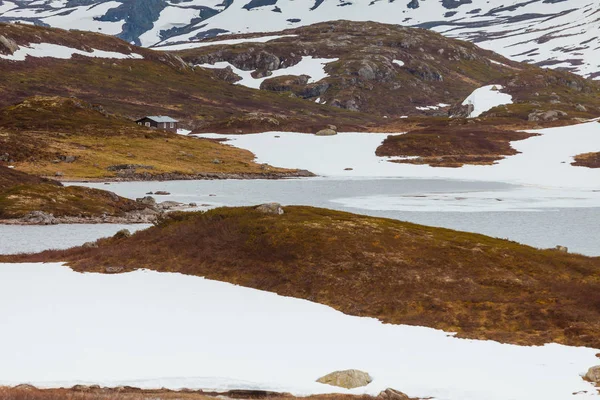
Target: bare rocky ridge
column 392, row 71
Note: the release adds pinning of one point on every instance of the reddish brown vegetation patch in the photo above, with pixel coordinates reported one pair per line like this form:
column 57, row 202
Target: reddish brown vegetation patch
column 398, row 272
column 26, row 392
column 590, row 160
column 452, row 145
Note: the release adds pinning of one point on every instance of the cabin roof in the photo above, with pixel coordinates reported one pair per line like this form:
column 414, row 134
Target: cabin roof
column 159, row 118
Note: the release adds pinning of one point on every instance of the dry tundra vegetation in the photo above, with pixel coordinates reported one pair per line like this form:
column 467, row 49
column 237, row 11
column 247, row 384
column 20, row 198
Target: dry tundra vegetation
column 21, row 193
column 364, row 86
column 452, row 145
column 25, row 392
column 590, row 160
column 397, row 272
column 53, row 136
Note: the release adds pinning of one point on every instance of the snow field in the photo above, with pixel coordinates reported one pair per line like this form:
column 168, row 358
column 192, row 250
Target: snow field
column 153, row 330
column 485, row 98
column 545, row 160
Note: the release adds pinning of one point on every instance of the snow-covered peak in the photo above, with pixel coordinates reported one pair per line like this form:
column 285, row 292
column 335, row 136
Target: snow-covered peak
column 556, row 34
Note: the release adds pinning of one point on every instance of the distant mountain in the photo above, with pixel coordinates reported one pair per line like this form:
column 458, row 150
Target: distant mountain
column 552, row 33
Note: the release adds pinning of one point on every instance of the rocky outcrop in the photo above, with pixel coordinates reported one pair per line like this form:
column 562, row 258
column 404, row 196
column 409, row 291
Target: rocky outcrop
column 546, row 116
column 331, row 130
column 40, row 218
column 122, row 234
column 593, row 374
column 270, row 208
column 8, row 46
column 348, row 379
column 392, row 394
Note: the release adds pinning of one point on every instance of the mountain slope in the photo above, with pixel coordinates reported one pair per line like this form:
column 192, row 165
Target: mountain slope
column 71, row 139
column 557, row 34
column 133, row 82
column 390, row 71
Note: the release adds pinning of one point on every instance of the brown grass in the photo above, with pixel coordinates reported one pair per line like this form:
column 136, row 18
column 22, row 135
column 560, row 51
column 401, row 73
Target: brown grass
column 590, row 160
column 452, row 145
column 40, row 131
column 21, row 193
column 25, row 392
column 397, row 272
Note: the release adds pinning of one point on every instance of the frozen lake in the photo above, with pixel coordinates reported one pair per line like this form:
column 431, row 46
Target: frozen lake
column 30, row 239
column 535, row 216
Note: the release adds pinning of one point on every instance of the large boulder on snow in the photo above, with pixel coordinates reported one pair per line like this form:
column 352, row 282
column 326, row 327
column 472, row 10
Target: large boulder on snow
column 593, row 374
column 348, row 379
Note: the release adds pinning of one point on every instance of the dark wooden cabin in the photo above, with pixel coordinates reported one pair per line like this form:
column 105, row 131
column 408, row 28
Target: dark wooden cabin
column 159, row 122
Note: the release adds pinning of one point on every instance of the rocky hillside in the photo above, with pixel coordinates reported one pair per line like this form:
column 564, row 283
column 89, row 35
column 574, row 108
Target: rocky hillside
column 134, row 82
column 394, row 71
column 532, row 31
column 398, row 272
column 67, row 138
column 28, row 199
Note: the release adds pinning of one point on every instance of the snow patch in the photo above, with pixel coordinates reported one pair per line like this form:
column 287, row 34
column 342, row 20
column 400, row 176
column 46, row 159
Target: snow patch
column 485, row 98
column 313, row 67
column 194, row 45
column 90, row 337
column 399, row 63
column 63, row 52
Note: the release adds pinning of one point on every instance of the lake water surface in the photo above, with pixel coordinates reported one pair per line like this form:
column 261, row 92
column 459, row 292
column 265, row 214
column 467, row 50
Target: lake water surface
column 538, row 217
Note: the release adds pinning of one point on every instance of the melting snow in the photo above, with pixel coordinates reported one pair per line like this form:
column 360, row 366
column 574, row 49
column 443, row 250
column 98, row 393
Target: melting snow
column 154, row 330
column 313, row 67
column 399, row 63
column 193, row 45
column 545, row 160
column 63, row 52
column 485, row 98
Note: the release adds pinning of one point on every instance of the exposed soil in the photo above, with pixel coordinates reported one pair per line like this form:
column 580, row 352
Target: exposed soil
column 452, row 145
column 397, row 272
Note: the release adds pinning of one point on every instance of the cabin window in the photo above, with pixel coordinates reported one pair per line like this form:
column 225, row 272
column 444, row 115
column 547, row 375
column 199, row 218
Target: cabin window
column 139, row 123
column 148, row 124
column 172, row 125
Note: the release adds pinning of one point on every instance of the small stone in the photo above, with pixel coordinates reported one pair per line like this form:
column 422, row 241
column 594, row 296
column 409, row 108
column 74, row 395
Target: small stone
column 270, row 208
column 562, row 249
column 391, row 394
column 89, row 245
column 147, row 201
column 326, row 132
column 348, row 169
column 217, row 161
column 122, row 234
column 113, row 270
column 193, row 205
column 58, row 173
column 162, row 193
